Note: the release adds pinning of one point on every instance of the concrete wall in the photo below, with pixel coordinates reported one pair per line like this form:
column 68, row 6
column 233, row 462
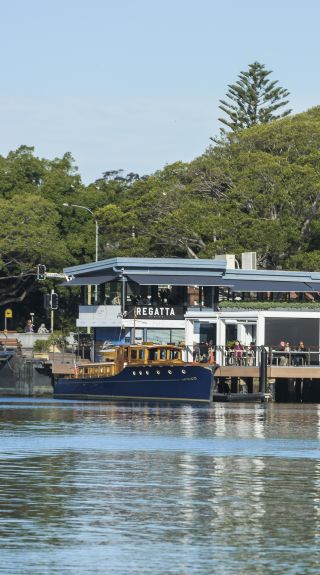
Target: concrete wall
column 22, row 376
column 27, row 339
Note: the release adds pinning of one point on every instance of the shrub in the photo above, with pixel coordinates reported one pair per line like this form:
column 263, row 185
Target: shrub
column 41, row 345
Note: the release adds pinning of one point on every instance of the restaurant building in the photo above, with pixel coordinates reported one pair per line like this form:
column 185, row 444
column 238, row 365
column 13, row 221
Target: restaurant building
column 196, row 301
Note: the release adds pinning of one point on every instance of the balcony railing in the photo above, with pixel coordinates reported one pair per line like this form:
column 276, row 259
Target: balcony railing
column 250, row 356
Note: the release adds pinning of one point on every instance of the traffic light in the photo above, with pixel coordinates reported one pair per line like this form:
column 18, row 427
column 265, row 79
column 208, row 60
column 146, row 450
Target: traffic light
column 54, row 302
column 41, row 272
column 46, row 301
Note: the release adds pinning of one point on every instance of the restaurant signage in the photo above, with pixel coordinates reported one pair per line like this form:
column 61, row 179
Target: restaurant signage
column 158, row 312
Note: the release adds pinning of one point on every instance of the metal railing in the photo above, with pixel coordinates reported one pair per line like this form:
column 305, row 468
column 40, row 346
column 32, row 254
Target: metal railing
column 250, row 356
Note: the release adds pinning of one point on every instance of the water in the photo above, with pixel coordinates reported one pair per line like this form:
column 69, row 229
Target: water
column 91, row 488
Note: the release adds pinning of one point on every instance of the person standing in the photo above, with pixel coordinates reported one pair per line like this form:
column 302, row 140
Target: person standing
column 238, row 352
column 300, row 358
column 29, row 326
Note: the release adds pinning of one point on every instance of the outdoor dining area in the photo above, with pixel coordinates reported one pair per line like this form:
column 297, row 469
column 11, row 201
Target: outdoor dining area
column 282, row 355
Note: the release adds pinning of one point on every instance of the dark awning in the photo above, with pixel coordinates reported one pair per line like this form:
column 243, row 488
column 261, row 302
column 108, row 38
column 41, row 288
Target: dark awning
column 89, row 280
column 315, row 286
column 178, row 280
column 270, row 286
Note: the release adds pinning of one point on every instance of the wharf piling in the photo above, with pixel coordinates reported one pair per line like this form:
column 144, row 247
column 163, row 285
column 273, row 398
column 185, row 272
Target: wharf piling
column 263, row 373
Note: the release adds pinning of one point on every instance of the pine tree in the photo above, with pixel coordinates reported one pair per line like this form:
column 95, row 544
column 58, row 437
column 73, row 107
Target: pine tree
column 253, row 99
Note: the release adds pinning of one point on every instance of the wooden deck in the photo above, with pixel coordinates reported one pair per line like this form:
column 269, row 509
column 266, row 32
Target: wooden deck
column 274, row 372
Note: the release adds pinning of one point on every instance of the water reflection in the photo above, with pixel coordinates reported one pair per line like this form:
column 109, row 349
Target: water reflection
column 130, row 488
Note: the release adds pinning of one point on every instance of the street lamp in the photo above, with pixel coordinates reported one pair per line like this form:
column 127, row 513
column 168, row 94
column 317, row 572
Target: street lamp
column 96, row 222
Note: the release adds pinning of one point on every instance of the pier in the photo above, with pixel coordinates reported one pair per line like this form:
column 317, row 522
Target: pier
column 286, row 379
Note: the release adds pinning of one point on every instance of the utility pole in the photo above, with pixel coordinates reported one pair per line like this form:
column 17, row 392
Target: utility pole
column 54, row 304
column 51, row 313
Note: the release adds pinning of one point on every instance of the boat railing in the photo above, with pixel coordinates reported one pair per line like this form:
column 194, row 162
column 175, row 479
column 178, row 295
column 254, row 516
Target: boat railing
column 92, row 370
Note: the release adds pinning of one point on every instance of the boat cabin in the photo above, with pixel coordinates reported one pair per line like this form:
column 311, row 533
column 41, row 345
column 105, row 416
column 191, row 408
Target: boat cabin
column 143, row 354
column 116, row 358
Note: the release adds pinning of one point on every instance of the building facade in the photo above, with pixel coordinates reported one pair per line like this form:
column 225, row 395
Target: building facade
column 197, row 302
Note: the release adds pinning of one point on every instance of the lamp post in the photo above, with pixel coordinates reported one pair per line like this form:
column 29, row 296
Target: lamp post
column 96, row 222
column 97, row 249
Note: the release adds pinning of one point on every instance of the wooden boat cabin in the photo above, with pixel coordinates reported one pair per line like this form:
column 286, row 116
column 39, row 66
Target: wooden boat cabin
column 116, row 358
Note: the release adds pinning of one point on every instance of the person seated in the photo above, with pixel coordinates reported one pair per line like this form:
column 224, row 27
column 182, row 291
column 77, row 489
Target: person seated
column 283, row 355
column 43, row 329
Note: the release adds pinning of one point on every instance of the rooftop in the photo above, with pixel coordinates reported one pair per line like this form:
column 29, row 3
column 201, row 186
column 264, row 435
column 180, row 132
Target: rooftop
column 178, row 271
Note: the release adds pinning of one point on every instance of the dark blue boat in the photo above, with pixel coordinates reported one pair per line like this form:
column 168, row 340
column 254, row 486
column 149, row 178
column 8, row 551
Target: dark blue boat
column 145, row 372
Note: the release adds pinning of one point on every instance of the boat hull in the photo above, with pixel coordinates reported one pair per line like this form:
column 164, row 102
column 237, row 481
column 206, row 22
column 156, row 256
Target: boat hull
column 165, row 383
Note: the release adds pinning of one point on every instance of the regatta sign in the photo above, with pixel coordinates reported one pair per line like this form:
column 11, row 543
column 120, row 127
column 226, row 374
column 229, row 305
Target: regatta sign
column 161, row 311
column 155, row 312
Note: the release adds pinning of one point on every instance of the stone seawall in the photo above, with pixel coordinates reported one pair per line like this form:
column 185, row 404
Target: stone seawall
column 23, row 376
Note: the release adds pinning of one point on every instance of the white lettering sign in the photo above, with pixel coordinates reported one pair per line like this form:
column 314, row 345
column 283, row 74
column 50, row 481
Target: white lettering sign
column 149, row 311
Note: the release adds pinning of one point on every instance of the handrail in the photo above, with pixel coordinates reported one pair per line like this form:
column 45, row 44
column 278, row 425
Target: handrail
column 249, row 356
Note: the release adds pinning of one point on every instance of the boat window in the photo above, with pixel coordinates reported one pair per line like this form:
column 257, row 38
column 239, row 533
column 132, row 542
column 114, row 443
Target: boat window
column 153, row 354
column 141, row 353
column 174, row 354
column 133, row 353
column 163, row 354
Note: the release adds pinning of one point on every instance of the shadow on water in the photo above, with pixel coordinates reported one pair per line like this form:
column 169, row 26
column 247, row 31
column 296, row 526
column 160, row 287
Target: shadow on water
column 145, row 488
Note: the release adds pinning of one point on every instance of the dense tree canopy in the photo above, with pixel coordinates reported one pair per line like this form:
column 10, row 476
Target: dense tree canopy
column 258, row 189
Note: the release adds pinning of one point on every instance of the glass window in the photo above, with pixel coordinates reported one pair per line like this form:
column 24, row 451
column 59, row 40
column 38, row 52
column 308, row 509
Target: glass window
column 158, row 335
column 138, row 336
column 177, row 336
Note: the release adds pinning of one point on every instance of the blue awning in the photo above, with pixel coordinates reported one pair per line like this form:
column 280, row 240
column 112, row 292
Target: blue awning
column 179, row 280
column 270, row 286
column 315, row 286
column 89, row 280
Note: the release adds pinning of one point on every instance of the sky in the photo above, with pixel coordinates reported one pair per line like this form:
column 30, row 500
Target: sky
column 135, row 84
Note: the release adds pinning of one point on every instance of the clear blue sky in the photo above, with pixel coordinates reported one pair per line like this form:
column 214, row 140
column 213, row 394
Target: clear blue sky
column 136, row 84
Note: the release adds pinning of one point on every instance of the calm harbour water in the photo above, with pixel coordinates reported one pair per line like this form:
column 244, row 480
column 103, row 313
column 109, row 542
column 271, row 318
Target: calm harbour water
column 92, row 488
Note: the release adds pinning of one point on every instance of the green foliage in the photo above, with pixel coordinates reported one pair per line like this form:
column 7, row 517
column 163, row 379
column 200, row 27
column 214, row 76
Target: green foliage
column 41, row 346
column 29, row 233
column 36, row 228
column 271, row 305
column 57, row 338
column 253, row 99
column 255, row 190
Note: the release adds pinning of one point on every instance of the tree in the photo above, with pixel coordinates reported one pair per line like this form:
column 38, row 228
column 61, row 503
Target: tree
column 29, row 235
column 253, row 99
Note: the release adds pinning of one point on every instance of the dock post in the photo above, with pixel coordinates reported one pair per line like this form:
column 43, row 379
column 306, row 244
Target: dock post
column 263, row 372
